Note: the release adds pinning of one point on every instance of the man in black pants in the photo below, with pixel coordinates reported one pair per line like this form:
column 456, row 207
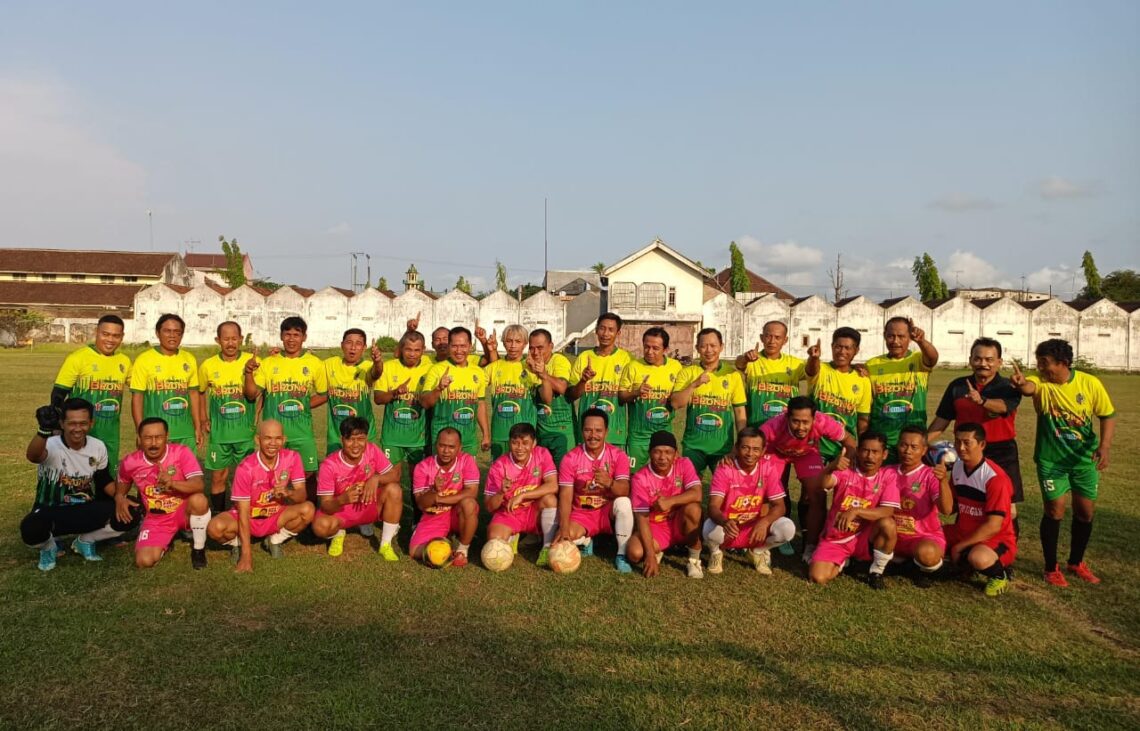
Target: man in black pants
column 73, row 486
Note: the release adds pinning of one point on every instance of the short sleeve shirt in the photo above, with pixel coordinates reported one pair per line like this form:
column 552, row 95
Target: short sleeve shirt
column 1066, row 429
column 254, row 481
column 747, row 494
column 178, row 462
column 288, row 386
column 223, row 383
column 67, row 476
column 770, row 382
column 854, row 490
column 462, row 472
column 510, row 478
column 338, row 474
column 577, row 471
column 166, row 383
column 786, row 445
column 710, row 419
column 647, row 486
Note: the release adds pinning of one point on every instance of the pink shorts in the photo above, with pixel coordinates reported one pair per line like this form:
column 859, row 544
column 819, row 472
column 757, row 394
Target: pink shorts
column 596, row 522
column 839, row 551
column 907, row 544
column 434, row 525
column 743, row 538
column 668, row 533
column 357, row 514
column 159, row 529
column 524, row 519
column 260, row 527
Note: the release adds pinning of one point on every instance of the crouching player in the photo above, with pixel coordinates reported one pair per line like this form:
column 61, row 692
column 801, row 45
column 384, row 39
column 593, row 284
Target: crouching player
column 666, row 507
column 924, row 492
column 982, row 539
column 445, row 487
column 356, row 486
column 746, row 505
column 269, row 498
column 860, row 523
column 169, row 482
column 522, row 491
column 593, row 491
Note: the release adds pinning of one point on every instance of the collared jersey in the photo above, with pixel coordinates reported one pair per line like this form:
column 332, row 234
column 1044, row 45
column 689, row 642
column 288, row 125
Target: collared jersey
column 459, row 402
column 898, row 393
column 654, row 414
column 404, row 420
column 919, row 492
column 785, row 445
column 770, row 383
column 254, row 481
column 577, row 471
column 511, row 478
column 337, row 474
column 980, row 493
column 559, row 414
column 462, row 472
column 855, row 490
column 472, row 359
column 350, row 394
column 67, row 476
column 222, row 382
column 166, row 383
column 510, row 384
column 710, row 419
column 178, row 462
column 602, row 390
column 845, row 396
column 957, row 406
column 647, row 486
column 288, row 384
column 100, row 379
column 747, row 494
column 1066, row 433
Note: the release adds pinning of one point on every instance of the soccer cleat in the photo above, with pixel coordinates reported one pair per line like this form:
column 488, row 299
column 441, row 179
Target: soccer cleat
column 621, row 563
column 761, row 561
column 787, row 549
column 459, row 560
column 47, row 558
column 694, row 570
column 543, row 558
column 994, row 587
column 275, row 550
column 514, row 543
column 716, row 562
column 387, row 552
column 85, row 549
column 367, row 530
column 1055, row 577
column 1082, row 571
column 587, row 548
column 198, row 558
column 876, row 581
column 336, row 544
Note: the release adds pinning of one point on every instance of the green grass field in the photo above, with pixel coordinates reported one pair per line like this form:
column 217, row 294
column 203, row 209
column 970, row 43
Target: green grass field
column 313, row 642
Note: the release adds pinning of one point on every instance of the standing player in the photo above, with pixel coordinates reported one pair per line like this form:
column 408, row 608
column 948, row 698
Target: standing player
column 72, row 485
column 445, row 487
column 924, row 492
column 97, row 373
column 555, row 415
column 746, row 505
column 522, row 491
column 771, row 376
column 1068, row 455
column 899, row 380
column 666, row 501
column 982, row 538
column 714, row 394
column 510, row 383
column 291, row 383
column 645, row 386
column 269, row 499
column 455, row 391
column 860, row 523
column 593, row 491
column 164, row 385
column 596, row 376
column 357, row 486
column 229, row 420
column 350, row 380
column 402, row 429
column 169, row 483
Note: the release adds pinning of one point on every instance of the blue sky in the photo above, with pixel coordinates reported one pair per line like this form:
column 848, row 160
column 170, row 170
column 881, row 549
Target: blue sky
column 1002, row 138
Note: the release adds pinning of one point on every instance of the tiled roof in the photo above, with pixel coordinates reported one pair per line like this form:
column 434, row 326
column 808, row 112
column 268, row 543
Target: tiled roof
column 68, row 295
column 79, row 261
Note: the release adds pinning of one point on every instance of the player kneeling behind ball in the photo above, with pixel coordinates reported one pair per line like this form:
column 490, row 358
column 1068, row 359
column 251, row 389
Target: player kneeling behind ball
column 445, row 487
column 521, row 491
column 666, row 501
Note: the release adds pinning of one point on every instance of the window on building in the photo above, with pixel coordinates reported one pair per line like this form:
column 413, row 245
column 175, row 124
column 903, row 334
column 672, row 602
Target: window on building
column 78, row 277
column 106, row 278
column 672, row 301
column 623, row 295
column 20, row 276
column 651, row 296
column 131, row 279
column 47, row 277
column 1005, row 332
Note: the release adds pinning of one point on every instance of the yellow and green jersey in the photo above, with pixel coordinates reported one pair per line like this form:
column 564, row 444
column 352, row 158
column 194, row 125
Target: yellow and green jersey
column 655, row 413
column 231, row 416
column 602, row 390
column 898, row 393
column 846, row 396
column 287, row 386
column 459, row 402
column 167, row 383
column 404, row 419
column 710, row 418
column 350, row 394
column 558, row 416
column 770, row 382
column 472, row 359
column 510, row 385
column 100, row 379
column 1066, row 432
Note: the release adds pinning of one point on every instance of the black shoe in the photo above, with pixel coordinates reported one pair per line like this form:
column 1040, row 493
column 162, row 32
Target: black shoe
column 198, row 558
column 923, row 580
column 876, row 581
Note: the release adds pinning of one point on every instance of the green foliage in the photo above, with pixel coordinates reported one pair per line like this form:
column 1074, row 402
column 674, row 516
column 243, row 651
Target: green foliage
column 267, row 284
column 599, row 267
column 463, row 285
column 1093, row 289
column 234, row 273
column 382, row 285
column 387, row 343
column 529, row 289
column 1122, row 285
column 500, row 276
column 21, row 323
column 927, row 281
column 1086, row 364
column 738, row 280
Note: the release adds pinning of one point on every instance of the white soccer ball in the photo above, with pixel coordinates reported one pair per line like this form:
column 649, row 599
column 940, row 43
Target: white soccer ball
column 565, row 558
column 941, row 452
column 497, row 555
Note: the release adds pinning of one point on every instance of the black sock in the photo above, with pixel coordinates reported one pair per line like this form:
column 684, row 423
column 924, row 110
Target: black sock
column 994, row 571
column 1017, row 527
column 1082, row 531
column 1050, row 531
column 802, row 512
column 218, row 503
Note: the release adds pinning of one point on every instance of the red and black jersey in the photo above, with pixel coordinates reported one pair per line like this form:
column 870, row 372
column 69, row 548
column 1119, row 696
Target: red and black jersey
column 957, row 407
column 980, row 493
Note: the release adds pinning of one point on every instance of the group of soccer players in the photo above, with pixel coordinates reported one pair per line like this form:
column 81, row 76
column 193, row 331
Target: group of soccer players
column 577, row 449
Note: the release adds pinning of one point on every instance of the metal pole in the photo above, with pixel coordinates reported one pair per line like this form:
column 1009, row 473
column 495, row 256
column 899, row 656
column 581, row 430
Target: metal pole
column 545, row 242
column 150, row 226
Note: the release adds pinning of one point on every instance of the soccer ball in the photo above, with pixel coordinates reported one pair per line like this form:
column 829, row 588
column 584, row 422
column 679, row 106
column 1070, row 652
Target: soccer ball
column 939, row 452
column 497, row 555
column 565, row 558
column 437, row 553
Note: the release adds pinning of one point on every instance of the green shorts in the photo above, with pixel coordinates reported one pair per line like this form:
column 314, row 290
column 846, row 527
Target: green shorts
column 191, row 442
column 701, row 460
column 411, row 455
column 638, row 452
column 307, row 448
column 558, row 441
column 498, row 449
column 221, row 456
column 1056, row 480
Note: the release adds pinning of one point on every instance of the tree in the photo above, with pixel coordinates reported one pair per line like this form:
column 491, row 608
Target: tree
column 382, row 285
column 500, row 276
column 738, row 279
column 529, row 290
column 267, row 284
column 1093, row 289
column 463, row 285
column 599, row 267
column 20, row 324
column 234, row 273
column 930, row 285
column 1122, row 285
column 836, row 277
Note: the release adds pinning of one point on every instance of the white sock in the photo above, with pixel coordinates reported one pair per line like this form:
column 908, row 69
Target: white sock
column 780, row 532
column 583, row 541
column 713, row 535
column 100, row 534
column 48, row 545
column 388, row 531
column 198, row 525
column 281, row 536
column 548, row 521
column 235, row 542
column 928, row 569
column 623, row 523
column 694, row 554
column 880, row 561
column 463, row 548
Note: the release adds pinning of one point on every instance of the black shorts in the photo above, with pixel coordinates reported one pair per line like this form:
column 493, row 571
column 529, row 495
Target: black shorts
column 64, row 520
column 1004, row 454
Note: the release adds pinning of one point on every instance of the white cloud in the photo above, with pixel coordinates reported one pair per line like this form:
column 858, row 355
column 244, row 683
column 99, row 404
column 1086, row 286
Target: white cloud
column 340, row 229
column 875, row 280
column 967, row 269
column 787, row 261
column 1064, row 281
column 962, row 203
column 1055, row 186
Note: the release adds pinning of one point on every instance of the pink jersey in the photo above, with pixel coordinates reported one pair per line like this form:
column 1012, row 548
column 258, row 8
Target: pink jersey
column 746, row 494
column 785, row 445
column 337, row 475
column 511, row 478
column 254, row 481
column 178, row 462
column 917, row 514
column 463, row 472
column 647, row 486
column 853, row 489
column 577, row 469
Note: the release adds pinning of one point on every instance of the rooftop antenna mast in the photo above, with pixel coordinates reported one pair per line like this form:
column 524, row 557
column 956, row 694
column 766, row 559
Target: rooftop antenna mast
column 357, row 284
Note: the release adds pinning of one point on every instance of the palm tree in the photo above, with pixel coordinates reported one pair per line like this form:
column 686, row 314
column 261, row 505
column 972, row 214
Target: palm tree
column 599, row 267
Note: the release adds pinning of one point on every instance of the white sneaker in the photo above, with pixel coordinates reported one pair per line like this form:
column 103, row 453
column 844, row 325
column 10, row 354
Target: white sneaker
column 809, row 551
column 762, row 561
column 716, row 562
column 694, row 570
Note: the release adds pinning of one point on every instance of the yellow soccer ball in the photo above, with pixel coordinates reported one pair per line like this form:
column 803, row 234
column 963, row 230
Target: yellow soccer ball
column 565, row 558
column 437, row 553
column 497, row 555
